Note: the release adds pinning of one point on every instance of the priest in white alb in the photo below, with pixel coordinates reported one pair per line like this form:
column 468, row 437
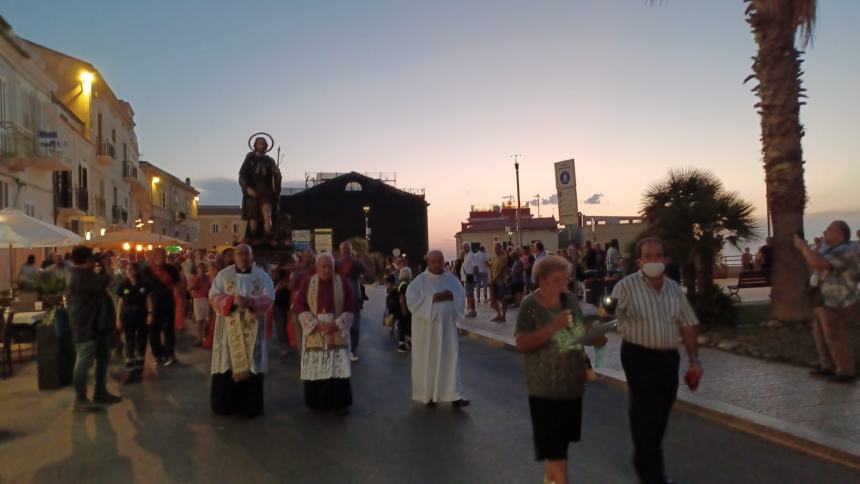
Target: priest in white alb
column 241, row 295
column 437, row 300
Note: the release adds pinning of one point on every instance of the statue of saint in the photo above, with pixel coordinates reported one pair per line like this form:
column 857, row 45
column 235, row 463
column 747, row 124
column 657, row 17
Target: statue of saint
column 260, row 180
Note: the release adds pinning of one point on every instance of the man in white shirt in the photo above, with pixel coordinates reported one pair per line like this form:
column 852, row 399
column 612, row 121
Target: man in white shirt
column 482, row 260
column 469, row 275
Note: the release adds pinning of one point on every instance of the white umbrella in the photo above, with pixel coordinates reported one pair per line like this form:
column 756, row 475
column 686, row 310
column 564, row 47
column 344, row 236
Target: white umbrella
column 19, row 230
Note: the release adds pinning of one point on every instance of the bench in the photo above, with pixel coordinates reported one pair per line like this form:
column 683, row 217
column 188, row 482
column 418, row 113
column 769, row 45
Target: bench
column 749, row 279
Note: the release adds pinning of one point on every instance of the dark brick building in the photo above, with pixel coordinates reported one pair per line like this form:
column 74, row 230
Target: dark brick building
column 396, row 218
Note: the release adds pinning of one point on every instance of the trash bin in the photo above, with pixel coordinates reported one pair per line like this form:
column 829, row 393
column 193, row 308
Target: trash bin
column 56, row 356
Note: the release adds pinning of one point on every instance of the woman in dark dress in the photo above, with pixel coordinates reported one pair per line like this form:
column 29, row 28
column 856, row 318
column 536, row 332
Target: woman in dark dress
column 548, row 326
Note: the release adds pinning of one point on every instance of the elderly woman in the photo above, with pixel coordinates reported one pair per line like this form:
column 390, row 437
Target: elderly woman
column 325, row 304
column 548, row 327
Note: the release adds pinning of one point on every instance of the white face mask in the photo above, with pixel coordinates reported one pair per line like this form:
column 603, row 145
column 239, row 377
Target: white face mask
column 653, row 269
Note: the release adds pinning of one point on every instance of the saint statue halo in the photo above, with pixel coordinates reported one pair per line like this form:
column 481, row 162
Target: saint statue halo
column 254, row 136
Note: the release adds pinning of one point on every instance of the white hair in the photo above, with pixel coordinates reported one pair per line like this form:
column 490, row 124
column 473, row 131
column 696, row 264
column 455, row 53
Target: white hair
column 326, row 255
column 405, row 274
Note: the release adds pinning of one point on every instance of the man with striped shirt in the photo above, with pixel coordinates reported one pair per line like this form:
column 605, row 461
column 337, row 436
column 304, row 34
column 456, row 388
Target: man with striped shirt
column 653, row 313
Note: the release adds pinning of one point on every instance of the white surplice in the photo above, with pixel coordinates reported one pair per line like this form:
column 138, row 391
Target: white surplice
column 258, row 289
column 435, row 376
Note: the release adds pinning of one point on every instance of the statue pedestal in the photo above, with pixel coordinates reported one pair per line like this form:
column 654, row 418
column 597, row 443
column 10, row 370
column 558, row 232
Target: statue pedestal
column 277, row 248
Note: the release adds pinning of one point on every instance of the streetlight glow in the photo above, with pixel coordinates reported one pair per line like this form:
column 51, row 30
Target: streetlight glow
column 156, row 180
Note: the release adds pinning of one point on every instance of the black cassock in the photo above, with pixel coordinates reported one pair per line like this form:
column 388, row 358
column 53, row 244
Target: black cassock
column 261, row 174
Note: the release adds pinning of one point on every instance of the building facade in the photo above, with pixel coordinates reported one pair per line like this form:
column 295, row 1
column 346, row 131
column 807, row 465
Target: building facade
column 171, row 208
column 353, row 205
column 102, row 189
column 489, row 224
column 219, row 226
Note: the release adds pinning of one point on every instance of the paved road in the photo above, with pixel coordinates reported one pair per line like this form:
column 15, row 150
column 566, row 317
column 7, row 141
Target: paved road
column 163, row 432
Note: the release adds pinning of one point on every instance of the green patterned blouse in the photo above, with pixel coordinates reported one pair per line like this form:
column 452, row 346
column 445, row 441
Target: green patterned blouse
column 557, row 369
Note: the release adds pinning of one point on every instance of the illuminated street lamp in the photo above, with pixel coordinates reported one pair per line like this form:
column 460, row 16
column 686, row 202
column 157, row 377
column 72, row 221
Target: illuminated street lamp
column 366, row 210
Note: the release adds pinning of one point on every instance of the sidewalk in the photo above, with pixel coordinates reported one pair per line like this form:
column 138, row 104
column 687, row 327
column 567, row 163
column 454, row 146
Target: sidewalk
column 777, row 402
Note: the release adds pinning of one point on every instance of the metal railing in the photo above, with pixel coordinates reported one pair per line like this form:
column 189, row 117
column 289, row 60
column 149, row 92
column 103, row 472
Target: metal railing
column 77, row 197
column 119, row 215
column 107, row 149
column 129, row 170
column 15, row 140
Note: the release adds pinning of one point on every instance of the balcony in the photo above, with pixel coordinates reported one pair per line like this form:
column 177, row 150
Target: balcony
column 119, row 215
column 107, row 153
column 72, row 201
column 99, row 207
column 131, row 174
column 21, row 149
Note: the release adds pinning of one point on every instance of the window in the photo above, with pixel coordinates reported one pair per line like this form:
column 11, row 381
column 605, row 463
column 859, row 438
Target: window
column 176, row 233
column 30, row 209
column 235, row 228
column 163, row 200
column 353, row 187
column 113, row 135
column 163, row 231
column 215, row 228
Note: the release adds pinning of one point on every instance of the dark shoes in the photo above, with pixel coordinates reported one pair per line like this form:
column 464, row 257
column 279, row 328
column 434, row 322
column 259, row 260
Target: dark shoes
column 460, row 403
column 169, row 361
column 843, row 378
column 822, row 373
column 83, row 405
column 402, row 347
column 106, row 399
column 430, row 404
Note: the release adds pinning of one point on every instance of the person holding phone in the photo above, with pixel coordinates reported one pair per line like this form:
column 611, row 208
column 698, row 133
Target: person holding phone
column 549, row 327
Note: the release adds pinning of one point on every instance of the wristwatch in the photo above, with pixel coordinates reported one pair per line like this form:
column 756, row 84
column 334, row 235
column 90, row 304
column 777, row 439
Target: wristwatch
column 695, row 361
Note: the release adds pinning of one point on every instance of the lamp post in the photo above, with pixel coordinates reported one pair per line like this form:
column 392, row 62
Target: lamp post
column 366, row 210
column 519, row 205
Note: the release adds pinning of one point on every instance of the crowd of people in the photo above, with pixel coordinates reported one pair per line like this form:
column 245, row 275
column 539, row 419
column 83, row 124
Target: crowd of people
column 505, row 277
column 314, row 304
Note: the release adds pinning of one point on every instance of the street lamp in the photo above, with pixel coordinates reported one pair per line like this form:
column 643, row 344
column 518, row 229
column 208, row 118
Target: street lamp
column 366, row 210
column 519, row 205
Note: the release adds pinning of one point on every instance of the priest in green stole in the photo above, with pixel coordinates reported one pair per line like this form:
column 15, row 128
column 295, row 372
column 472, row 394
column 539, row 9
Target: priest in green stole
column 241, row 295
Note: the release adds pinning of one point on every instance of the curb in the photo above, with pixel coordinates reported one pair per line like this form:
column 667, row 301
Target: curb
column 811, row 442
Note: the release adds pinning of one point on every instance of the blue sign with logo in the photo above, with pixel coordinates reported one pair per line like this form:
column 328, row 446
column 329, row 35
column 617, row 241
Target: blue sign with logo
column 564, row 177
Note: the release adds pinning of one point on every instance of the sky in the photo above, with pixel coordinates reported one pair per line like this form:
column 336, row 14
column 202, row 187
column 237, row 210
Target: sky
column 445, row 92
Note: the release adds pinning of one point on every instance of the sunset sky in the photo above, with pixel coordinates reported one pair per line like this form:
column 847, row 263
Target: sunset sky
column 444, row 92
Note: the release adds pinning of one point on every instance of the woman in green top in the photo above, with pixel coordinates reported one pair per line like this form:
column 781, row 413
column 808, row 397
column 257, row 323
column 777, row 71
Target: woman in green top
column 548, row 326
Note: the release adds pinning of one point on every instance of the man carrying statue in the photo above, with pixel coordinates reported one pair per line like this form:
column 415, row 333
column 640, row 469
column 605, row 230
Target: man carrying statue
column 260, row 180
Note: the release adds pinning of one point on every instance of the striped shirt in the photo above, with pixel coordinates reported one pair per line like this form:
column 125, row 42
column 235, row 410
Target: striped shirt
column 650, row 318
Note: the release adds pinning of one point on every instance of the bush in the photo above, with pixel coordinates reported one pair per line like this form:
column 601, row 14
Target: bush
column 715, row 308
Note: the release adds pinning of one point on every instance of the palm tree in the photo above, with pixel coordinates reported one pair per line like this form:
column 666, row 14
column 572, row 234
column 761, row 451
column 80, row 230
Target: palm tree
column 695, row 216
column 775, row 25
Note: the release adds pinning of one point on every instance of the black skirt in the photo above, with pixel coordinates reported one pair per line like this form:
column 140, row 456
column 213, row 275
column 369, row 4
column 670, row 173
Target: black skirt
column 331, row 394
column 244, row 398
column 556, row 423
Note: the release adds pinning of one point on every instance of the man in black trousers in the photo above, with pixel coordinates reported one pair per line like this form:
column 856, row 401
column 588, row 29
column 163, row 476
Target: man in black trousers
column 653, row 313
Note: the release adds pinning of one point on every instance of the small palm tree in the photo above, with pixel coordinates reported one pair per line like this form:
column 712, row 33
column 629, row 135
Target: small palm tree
column 695, row 216
column 775, row 26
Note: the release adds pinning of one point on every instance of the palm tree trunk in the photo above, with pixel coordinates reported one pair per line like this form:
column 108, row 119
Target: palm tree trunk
column 777, row 67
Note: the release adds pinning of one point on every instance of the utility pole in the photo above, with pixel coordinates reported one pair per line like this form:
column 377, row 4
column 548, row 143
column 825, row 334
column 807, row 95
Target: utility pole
column 537, row 201
column 519, row 204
